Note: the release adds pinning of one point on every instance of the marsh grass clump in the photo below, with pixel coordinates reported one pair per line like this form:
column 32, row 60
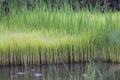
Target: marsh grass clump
column 45, row 36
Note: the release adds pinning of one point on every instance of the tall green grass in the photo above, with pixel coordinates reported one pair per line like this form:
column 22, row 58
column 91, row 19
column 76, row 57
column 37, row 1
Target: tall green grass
column 45, row 36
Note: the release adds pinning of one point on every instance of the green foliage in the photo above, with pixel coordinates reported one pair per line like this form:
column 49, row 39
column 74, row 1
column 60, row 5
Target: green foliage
column 48, row 36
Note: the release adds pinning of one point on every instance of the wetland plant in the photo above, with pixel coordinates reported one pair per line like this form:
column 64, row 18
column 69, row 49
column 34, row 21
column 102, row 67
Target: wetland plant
column 43, row 36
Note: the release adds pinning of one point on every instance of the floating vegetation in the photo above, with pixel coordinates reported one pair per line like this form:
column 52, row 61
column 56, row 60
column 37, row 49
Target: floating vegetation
column 20, row 73
column 38, row 75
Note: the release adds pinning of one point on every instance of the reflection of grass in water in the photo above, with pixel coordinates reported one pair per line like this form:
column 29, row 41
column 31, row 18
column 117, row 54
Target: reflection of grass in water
column 90, row 73
column 43, row 35
column 58, row 72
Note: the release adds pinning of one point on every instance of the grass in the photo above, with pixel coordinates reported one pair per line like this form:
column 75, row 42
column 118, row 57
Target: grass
column 45, row 36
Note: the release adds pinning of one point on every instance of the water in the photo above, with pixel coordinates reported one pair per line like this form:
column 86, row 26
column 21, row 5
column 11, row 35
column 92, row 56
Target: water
column 82, row 71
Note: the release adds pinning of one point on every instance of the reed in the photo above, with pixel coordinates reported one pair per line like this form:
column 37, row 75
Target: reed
column 45, row 36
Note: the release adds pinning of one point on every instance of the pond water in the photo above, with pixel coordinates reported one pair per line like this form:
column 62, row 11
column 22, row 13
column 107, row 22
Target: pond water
column 76, row 71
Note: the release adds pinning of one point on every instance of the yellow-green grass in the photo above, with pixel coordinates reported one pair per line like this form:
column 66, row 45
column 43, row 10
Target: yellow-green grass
column 45, row 36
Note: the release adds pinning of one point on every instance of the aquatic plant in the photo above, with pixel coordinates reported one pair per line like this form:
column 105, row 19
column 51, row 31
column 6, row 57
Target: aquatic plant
column 45, row 36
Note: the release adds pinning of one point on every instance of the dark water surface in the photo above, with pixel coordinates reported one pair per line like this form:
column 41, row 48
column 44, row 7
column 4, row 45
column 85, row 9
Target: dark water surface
column 82, row 71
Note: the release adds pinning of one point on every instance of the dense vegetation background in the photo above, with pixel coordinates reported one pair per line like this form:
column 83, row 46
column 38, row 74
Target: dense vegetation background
column 47, row 31
column 7, row 5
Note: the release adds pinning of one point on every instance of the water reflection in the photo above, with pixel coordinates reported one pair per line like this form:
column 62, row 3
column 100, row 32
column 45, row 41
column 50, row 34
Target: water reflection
column 62, row 72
